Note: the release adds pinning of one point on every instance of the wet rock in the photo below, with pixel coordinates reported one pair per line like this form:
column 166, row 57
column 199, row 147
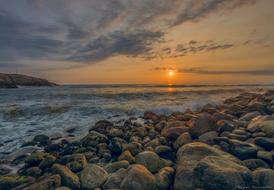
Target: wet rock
column 138, row 177
column 264, row 124
column 216, row 173
column 266, row 156
column 127, row 156
column 93, row 139
column 263, row 178
column 4, row 170
column 188, row 156
column 114, row 180
column 174, row 132
column 116, row 145
column 267, row 143
column 182, row 140
column 224, row 125
column 151, row 116
column 243, row 150
column 150, row 160
column 47, row 162
column 253, row 164
column 164, row 178
column 203, row 124
column 34, row 172
column 35, row 158
column 249, row 116
column 222, row 116
column 69, row 178
column 9, row 182
column 208, row 137
column 93, row 176
column 114, row 132
column 115, row 166
column 41, row 139
column 237, row 137
column 102, row 126
column 44, row 183
column 133, row 148
column 165, row 152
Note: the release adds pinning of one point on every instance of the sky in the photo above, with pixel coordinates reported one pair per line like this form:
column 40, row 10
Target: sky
column 139, row 41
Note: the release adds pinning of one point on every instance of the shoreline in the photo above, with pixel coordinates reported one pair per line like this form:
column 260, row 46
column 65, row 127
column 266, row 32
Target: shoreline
column 233, row 142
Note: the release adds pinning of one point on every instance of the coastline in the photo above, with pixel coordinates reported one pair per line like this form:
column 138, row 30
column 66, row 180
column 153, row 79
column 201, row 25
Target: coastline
column 224, row 146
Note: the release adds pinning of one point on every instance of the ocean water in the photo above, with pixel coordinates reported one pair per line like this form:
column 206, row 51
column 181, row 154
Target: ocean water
column 28, row 111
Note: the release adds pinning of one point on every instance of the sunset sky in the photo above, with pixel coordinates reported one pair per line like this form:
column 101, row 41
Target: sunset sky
column 139, row 41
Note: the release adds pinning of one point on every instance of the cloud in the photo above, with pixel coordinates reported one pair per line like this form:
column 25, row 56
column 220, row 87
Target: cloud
column 91, row 31
column 201, row 71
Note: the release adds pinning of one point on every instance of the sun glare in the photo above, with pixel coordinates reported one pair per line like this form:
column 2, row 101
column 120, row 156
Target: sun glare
column 170, row 73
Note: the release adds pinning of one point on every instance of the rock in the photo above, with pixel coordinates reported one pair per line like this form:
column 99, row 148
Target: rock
column 4, row 170
column 222, row 116
column 76, row 162
column 164, row 178
column 138, row 177
column 47, row 162
column 249, row 116
column 165, row 152
column 153, row 143
column 115, row 166
column 243, row 150
column 116, row 145
column 263, row 178
column 150, row 160
column 188, row 156
column 262, row 123
column 35, row 158
column 254, row 164
column 203, row 124
column 208, row 137
column 41, row 139
column 9, row 182
column 62, row 188
column 174, row 132
column 224, row 125
column 182, row 140
column 114, row 132
column 69, row 178
column 151, row 116
column 127, row 156
column 214, row 172
column 133, row 148
column 266, row 156
column 45, row 183
column 267, row 143
column 34, row 172
column 237, row 137
column 93, row 176
column 93, row 139
column 115, row 179
column 102, row 127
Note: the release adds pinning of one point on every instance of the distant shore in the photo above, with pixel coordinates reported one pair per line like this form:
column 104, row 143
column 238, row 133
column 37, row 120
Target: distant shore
column 226, row 146
column 15, row 80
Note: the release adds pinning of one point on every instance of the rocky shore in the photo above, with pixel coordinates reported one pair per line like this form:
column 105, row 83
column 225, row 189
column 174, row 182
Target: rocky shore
column 229, row 146
column 15, row 80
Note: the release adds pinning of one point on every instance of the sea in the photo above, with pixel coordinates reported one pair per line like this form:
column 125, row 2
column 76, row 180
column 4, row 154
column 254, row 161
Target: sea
column 28, row 111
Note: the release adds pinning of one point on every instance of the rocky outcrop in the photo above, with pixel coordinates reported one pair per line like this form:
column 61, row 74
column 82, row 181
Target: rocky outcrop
column 15, row 80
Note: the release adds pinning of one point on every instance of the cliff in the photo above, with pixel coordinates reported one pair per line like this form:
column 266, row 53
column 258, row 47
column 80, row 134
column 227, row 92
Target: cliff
column 15, row 80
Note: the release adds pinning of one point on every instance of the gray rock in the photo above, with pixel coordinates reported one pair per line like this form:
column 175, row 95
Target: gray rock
column 243, row 150
column 249, row 116
column 114, row 180
column 150, row 160
column 254, row 164
column 267, row 143
column 182, row 140
column 138, row 177
column 164, row 178
column 208, row 137
column 93, row 176
column 127, row 156
column 115, row 166
column 266, row 156
column 263, row 178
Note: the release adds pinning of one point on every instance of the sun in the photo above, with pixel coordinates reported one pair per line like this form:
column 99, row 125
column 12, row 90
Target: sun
column 170, row 73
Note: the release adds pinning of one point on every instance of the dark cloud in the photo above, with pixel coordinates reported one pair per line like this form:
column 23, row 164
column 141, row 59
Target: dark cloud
column 265, row 72
column 91, row 31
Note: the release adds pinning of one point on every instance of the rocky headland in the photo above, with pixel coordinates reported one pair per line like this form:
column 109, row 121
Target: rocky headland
column 224, row 147
column 15, row 80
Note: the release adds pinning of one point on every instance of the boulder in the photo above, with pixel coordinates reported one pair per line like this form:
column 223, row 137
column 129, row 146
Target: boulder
column 249, row 116
column 224, row 125
column 134, row 148
column 76, row 162
column 203, row 124
column 150, row 160
column 164, row 178
column 11, row 181
column 44, row 183
column 34, row 172
column 214, row 172
column 254, row 164
column 138, row 177
column 243, row 150
column 69, row 178
column 114, row 180
column 266, row 156
column 262, row 123
column 41, row 139
column 93, row 139
column 115, row 166
column 188, row 156
column 165, row 152
column 267, row 143
column 263, row 178
column 182, row 140
column 47, row 162
column 208, row 137
column 174, row 132
column 93, row 176
column 127, row 156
